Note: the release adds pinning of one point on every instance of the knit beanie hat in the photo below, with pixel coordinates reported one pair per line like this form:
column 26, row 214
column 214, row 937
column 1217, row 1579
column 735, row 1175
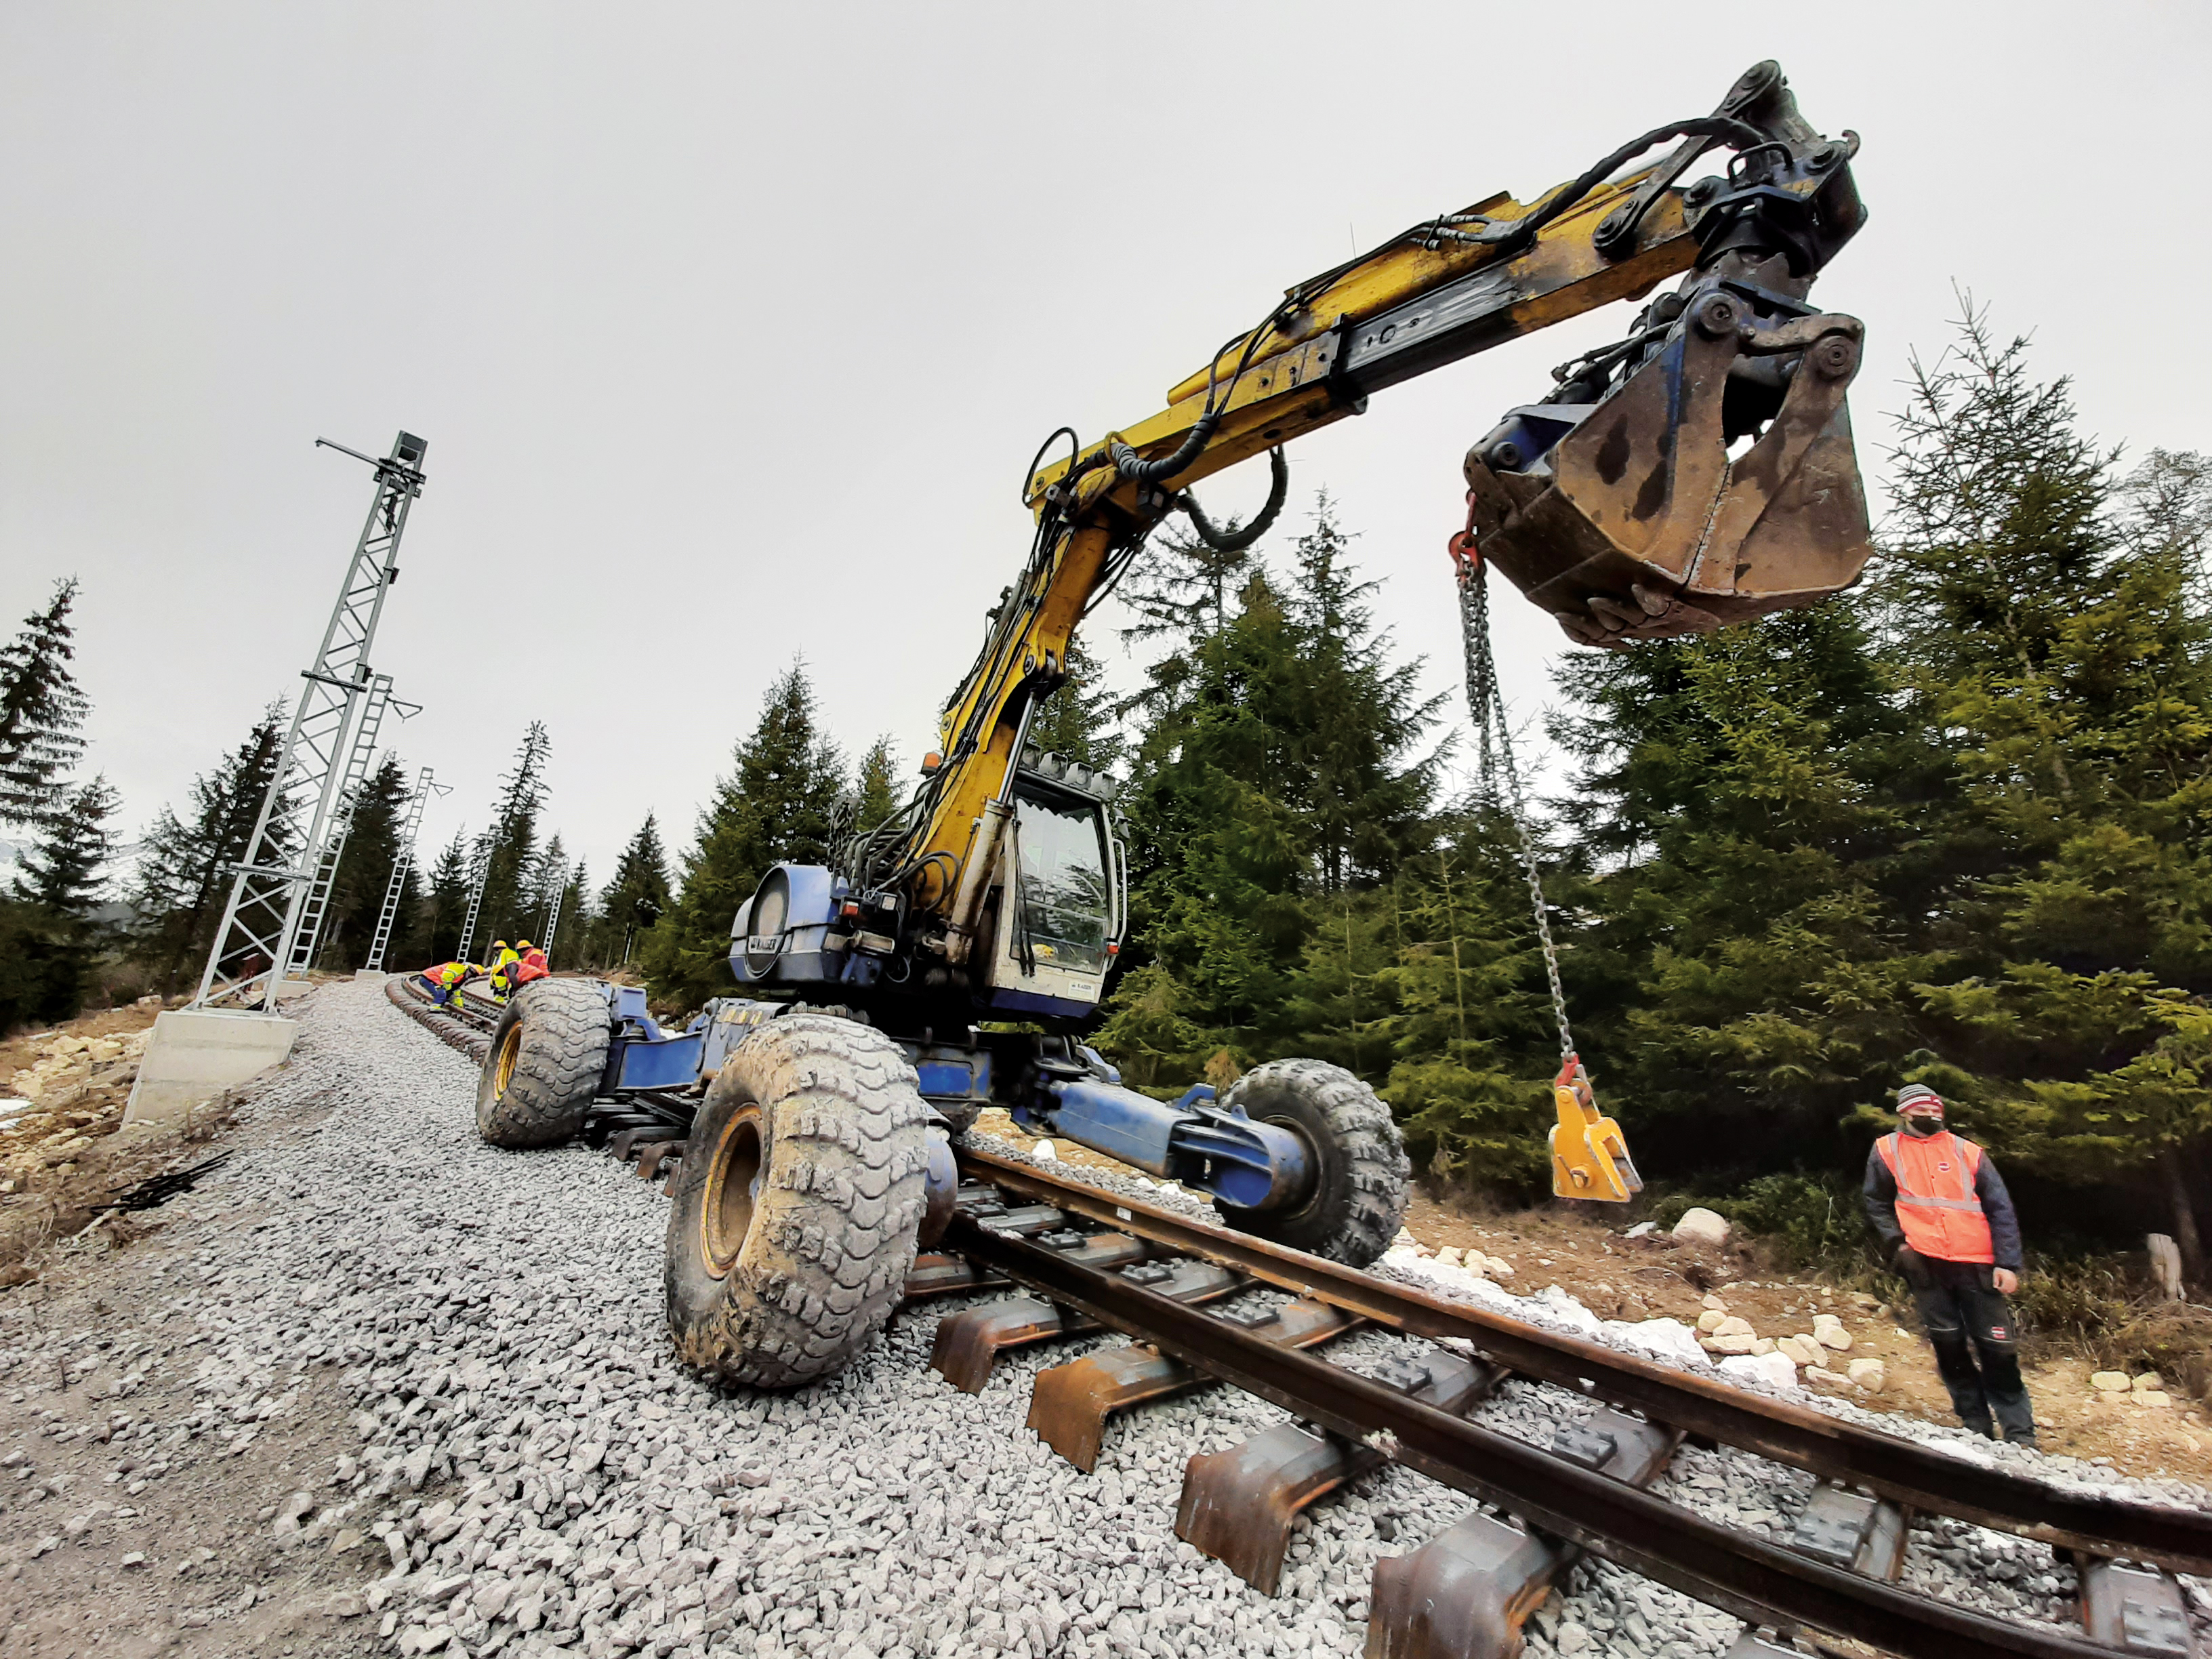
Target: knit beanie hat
column 1920, row 1097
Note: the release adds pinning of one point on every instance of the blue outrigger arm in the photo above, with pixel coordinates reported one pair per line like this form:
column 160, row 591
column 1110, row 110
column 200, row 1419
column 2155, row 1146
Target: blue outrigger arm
column 1192, row 1141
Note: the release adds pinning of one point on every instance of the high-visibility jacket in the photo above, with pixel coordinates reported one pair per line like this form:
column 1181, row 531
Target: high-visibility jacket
column 532, row 966
column 1940, row 1185
column 448, row 973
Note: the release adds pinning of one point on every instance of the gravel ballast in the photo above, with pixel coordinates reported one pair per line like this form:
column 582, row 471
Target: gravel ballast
column 533, row 1472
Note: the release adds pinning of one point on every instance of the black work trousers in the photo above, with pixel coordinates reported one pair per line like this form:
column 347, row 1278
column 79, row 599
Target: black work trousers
column 1968, row 1320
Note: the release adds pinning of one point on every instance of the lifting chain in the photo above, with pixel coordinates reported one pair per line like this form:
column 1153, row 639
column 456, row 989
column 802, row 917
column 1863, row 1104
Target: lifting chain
column 1487, row 704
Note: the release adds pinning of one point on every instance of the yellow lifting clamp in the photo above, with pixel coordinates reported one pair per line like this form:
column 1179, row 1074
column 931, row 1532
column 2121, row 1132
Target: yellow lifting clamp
column 1589, row 1157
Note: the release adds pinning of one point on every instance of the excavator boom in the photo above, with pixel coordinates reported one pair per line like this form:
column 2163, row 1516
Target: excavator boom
column 1698, row 472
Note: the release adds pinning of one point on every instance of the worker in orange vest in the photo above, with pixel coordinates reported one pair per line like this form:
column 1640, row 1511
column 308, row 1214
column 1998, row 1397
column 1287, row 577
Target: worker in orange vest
column 1938, row 1202
column 532, row 966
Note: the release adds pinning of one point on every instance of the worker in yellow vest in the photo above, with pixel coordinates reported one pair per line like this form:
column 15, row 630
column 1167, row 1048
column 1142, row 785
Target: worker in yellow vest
column 502, row 958
column 444, row 984
column 1939, row 1204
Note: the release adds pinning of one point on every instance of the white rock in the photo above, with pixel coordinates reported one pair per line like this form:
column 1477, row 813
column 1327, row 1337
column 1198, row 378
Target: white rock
column 1670, row 1339
column 1771, row 1369
column 1642, row 1230
column 1869, row 1375
column 1701, row 1226
column 1045, row 1153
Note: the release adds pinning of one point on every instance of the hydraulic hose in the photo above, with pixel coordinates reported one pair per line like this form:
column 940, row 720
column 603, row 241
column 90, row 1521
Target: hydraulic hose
column 1140, row 471
column 1235, row 541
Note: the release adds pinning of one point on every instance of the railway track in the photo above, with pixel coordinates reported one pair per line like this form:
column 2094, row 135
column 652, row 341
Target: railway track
column 1084, row 1258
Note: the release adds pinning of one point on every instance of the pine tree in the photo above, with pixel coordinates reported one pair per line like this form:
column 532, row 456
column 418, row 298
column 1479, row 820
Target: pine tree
column 1077, row 720
column 633, row 900
column 779, row 803
column 1273, row 786
column 42, row 709
column 1468, row 1019
column 50, row 936
column 511, row 906
column 1367, row 802
column 1740, row 988
column 2052, row 637
column 364, row 872
column 548, row 881
column 435, row 934
column 875, row 794
column 185, row 870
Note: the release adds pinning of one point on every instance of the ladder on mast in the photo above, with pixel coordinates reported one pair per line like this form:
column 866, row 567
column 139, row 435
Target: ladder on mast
column 334, row 843
column 424, row 788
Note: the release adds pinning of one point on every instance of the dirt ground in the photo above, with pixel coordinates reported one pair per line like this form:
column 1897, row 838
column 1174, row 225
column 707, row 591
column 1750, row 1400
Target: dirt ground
column 1619, row 1278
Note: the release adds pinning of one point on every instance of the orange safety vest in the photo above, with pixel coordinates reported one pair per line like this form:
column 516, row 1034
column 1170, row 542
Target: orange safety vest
column 447, row 972
column 531, row 966
column 1936, row 1202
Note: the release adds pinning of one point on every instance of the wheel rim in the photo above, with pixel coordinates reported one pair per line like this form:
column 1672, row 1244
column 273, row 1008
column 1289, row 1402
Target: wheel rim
column 734, row 1179
column 510, row 1056
column 1317, row 1170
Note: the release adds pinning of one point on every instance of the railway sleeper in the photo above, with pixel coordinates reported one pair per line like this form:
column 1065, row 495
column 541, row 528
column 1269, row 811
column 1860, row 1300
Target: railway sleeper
column 1467, row 1591
column 935, row 1274
column 1239, row 1506
column 969, row 1342
column 1069, row 1404
column 2135, row 1611
column 1853, row 1530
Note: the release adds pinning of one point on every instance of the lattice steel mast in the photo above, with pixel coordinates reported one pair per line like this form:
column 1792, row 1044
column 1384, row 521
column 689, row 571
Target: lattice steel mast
column 261, row 925
column 424, row 788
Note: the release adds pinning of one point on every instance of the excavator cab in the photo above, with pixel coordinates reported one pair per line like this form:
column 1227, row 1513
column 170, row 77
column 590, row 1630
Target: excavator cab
column 1061, row 904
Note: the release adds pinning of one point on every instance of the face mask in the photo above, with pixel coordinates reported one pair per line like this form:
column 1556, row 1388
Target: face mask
column 1924, row 1126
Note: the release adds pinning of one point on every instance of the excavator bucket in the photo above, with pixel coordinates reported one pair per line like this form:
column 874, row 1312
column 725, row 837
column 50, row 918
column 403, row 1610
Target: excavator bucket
column 1627, row 519
column 1589, row 1157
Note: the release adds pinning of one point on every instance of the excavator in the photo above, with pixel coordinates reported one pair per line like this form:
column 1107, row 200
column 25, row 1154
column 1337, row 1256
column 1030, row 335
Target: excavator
column 1696, row 473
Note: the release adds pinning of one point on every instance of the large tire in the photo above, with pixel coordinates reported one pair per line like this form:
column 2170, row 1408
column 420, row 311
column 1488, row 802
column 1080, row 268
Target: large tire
column 1360, row 1180
column 797, row 1203
column 548, row 1053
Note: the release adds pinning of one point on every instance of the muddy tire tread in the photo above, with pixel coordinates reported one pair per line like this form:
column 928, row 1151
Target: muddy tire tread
column 833, row 1238
column 565, row 1037
column 1367, row 1138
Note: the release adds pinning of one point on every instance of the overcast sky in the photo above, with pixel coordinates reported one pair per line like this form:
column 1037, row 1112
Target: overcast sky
column 731, row 329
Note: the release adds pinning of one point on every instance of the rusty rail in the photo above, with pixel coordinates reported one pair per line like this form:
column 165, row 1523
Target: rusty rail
column 1757, row 1581
column 1914, row 1475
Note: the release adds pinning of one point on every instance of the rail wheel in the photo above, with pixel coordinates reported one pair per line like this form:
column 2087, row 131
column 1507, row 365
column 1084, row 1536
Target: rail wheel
column 1360, row 1167
column 548, row 1053
column 797, row 1203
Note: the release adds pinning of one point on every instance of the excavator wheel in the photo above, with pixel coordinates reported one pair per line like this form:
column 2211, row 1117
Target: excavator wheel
column 798, row 1203
column 1360, row 1167
column 548, row 1053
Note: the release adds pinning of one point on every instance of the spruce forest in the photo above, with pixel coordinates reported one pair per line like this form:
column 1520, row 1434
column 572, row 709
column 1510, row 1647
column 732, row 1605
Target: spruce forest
column 1954, row 827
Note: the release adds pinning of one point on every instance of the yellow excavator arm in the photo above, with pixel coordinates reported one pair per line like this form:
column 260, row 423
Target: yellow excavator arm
column 1613, row 503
